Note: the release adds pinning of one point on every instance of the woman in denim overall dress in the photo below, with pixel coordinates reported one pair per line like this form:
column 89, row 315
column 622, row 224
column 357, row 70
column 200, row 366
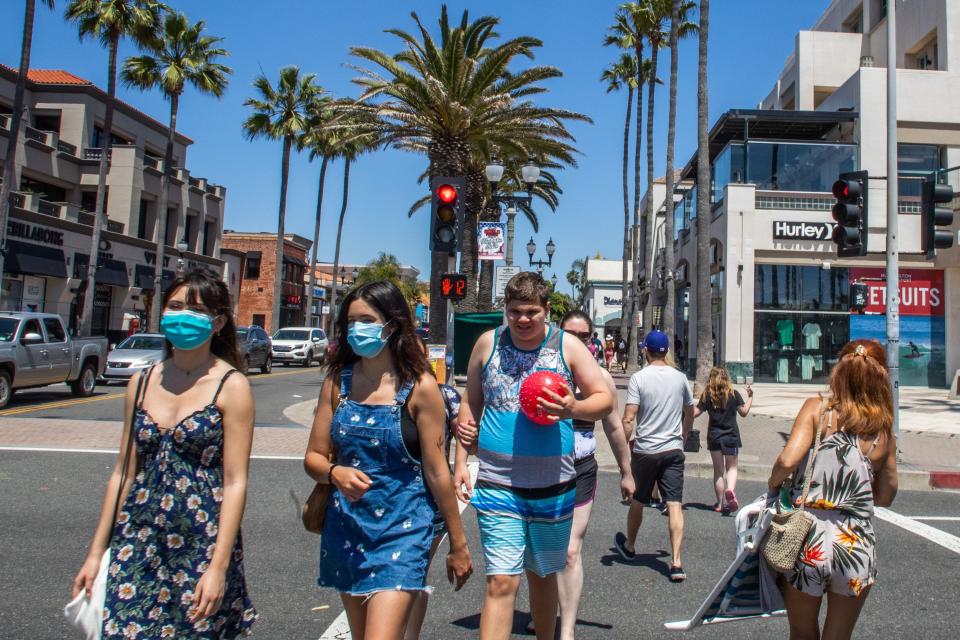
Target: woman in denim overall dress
column 381, row 416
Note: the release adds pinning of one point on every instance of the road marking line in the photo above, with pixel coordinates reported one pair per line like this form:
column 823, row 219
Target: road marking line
column 115, row 451
column 60, row 403
column 339, row 629
column 937, row 518
column 937, row 536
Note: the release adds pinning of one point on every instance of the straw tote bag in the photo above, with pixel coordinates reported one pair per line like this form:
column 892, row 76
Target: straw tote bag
column 788, row 530
column 86, row 614
column 315, row 508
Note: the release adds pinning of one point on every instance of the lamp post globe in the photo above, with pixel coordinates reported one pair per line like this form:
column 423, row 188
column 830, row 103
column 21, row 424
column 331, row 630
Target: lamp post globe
column 551, row 247
column 531, row 248
column 530, row 173
column 494, row 172
column 553, row 280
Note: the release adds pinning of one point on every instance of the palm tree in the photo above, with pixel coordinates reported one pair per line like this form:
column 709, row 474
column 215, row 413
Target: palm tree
column 181, row 55
column 109, row 21
column 624, row 72
column 318, row 139
column 281, row 113
column 577, row 279
column 357, row 134
column 704, row 319
column 445, row 99
column 676, row 12
column 11, row 175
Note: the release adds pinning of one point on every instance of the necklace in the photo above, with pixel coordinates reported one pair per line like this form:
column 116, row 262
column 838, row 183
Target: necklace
column 189, row 372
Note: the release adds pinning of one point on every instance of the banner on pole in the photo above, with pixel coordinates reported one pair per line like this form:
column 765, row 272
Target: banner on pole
column 491, row 242
column 502, row 275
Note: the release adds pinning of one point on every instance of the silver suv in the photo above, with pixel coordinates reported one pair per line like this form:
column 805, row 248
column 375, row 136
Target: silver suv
column 255, row 348
column 299, row 345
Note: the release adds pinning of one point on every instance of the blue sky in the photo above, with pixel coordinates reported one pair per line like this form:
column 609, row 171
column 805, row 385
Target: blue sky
column 749, row 42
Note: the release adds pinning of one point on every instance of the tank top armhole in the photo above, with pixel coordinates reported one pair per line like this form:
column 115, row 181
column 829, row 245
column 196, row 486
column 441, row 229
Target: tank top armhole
column 496, row 341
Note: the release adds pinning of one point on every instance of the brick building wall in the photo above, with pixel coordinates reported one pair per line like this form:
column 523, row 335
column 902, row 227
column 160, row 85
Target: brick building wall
column 255, row 303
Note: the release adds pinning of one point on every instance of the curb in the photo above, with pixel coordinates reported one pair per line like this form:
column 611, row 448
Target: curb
column 906, row 480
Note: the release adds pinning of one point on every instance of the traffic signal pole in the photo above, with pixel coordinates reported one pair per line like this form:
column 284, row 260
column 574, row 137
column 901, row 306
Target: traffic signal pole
column 893, row 267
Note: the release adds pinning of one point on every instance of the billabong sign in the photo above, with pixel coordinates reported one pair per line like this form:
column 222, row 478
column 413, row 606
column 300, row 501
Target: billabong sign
column 814, row 231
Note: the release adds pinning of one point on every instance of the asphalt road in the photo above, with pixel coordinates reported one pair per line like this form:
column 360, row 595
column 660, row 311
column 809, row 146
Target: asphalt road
column 273, row 393
column 49, row 503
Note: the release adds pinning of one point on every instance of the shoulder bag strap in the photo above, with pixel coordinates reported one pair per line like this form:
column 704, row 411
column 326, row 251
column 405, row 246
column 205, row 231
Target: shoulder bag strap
column 808, row 474
column 131, row 431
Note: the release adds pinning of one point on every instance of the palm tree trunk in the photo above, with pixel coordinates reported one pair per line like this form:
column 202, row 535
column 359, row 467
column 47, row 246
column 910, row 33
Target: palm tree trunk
column 281, row 221
column 162, row 204
column 100, row 215
column 332, row 321
column 669, row 315
column 312, row 282
column 704, row 317
column 634, row 285
column 626, row 309
column 11, row 174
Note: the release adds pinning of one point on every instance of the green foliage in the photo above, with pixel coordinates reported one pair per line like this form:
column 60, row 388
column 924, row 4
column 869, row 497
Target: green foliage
column 283, row 111
column 560, row 303
column 110, row 20
column 386, row 267
column 577, row 278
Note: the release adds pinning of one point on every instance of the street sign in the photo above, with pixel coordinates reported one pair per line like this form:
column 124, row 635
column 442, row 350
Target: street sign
column 453, row 286
column 502, row 275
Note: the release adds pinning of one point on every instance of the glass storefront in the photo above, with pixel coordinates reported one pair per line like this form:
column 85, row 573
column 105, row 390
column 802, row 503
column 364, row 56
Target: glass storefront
column 801, row 321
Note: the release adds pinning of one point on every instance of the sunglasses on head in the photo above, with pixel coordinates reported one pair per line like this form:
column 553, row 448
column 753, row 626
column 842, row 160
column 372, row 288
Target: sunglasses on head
column 583, row 335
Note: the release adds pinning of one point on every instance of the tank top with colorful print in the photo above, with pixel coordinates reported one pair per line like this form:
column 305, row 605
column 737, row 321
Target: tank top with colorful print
column 514, row 451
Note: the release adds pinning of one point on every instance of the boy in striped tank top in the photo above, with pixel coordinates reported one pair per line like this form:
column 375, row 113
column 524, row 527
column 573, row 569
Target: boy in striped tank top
column 526, row 485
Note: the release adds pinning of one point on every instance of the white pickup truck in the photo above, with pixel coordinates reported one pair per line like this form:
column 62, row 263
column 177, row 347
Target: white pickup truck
column 35, row 351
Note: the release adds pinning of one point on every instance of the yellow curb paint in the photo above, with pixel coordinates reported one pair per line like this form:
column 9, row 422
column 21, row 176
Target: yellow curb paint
column 61, row 403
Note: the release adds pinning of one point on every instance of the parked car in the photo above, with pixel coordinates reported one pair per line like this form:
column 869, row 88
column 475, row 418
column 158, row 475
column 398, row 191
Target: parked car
column 134, row 354
column 36, row 351
column 299, row 345
column 255, row 348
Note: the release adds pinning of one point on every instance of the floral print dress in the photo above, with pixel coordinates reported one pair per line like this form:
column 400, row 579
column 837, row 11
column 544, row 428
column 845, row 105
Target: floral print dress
column 166, row 533
column 839, row 554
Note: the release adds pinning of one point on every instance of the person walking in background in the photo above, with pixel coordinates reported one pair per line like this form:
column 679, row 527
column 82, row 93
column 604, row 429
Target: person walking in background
column 722, row 403
column 608, row 352
column 176, row 554
column 622, row 353
column 854, row 470
column 660, row 412
column 526, row 486
column 378, row 438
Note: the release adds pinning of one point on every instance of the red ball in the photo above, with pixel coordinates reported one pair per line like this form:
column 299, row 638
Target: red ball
column 534, row 387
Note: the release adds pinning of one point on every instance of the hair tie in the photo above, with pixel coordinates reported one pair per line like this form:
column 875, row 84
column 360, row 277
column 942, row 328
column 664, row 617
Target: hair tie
column 860, row 351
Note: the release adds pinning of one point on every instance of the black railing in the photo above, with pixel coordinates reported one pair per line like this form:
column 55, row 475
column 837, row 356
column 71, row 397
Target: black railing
column 152, row 162
column 115, row 227
column 35, row 135
column 87, row 218
column 66, row 147
column 94, row 153
column 49, row 208
column 18, row 200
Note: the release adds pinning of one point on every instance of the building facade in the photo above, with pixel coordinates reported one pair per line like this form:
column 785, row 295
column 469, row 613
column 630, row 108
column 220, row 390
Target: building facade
column 258, row 271
column 47, row 238
column 781, row 307
column 603, row 298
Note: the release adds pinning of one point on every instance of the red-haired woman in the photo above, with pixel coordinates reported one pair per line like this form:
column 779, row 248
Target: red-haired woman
column 854, row 470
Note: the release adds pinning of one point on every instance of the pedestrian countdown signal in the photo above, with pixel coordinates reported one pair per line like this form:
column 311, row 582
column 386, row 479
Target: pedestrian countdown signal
column 453, row 286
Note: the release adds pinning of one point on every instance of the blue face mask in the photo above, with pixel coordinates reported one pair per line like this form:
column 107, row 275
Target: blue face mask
column 365, row 338
column 186, row 330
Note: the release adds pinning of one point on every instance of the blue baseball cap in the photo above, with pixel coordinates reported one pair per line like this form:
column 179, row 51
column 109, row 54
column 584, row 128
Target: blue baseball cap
column 657, row 342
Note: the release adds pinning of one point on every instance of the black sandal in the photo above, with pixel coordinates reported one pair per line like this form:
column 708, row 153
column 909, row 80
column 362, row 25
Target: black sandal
column 677, row 574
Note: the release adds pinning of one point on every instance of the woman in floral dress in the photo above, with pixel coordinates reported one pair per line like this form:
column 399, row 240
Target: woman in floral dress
column 854, row 470
column 176, row 566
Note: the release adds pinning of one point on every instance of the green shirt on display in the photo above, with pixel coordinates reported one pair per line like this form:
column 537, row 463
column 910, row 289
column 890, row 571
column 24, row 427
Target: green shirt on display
column 785, row 330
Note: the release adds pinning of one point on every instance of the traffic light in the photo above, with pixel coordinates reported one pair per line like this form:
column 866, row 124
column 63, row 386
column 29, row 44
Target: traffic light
column 932, row 216
column 446, row 213
column 850, row 213
column 453, row 286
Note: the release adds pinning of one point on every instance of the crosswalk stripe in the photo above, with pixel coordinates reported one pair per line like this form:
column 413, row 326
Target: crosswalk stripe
column 942, row 538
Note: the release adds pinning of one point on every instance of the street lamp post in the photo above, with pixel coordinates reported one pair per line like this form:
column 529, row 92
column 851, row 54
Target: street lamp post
column 540, row 264
column 530, row 173
column 182, row 247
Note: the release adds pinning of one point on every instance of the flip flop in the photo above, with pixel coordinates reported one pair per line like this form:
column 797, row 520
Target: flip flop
column 718, row 507
column 731, row 497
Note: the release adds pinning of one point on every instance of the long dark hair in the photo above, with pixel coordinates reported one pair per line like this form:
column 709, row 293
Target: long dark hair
column 409, row 359
column 206, row 288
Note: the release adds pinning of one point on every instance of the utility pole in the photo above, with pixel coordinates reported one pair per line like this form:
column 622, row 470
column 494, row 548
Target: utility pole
column 893, row 267
column 511, row 229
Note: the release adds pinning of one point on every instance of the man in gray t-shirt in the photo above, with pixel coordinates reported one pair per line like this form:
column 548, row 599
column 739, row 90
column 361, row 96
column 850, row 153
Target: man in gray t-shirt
column 659, row 410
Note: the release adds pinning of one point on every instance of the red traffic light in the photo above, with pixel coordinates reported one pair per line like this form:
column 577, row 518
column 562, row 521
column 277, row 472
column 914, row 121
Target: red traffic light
column 846, row 189
column 447, row 193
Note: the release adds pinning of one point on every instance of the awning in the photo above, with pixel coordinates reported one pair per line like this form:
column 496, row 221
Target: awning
column 294, row 260
column 35, row 259
column 144, row 274
column 112, row 272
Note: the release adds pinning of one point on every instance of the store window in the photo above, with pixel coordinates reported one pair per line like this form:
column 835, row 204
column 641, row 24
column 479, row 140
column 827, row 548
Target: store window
column 801, row 321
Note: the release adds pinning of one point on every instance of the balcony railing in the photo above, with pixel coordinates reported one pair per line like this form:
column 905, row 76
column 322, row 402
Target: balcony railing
column 87, row 218
column 18, row 200
column 195, row 182
column 94, row 153
column 211, row 189
column 152, row 162
column 35, row 134
column 49, row 208
column 115, row 227
column 67, row 148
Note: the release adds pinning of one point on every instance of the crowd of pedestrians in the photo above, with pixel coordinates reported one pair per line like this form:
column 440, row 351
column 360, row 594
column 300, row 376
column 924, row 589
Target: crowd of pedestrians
column 167, row 552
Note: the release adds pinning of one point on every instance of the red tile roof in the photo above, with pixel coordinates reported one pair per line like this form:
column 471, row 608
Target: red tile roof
column 55, row 76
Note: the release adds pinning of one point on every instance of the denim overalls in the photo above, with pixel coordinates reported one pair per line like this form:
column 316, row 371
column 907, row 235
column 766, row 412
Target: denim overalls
column 382, row 541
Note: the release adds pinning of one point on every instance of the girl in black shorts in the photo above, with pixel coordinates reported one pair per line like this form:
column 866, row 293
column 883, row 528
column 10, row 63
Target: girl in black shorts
column 722, row 403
